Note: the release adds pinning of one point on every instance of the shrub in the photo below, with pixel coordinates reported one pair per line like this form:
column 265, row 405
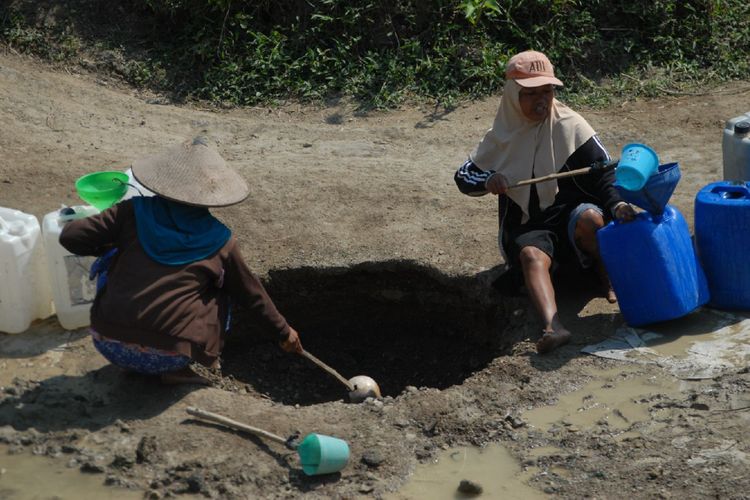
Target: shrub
column 382, row 52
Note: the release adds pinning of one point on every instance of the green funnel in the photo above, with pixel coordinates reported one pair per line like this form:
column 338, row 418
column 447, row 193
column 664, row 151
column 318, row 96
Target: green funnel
column 102, row 189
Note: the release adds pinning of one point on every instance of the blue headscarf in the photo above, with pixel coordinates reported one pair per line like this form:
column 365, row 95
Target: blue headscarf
column 174, row 234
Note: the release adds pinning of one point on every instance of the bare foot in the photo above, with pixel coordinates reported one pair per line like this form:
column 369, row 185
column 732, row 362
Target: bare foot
column 551, row 340
column 184, row 376
column 609, row 293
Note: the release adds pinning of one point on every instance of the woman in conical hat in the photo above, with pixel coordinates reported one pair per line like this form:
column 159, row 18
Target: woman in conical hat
column 173, row 268
column 534, row 135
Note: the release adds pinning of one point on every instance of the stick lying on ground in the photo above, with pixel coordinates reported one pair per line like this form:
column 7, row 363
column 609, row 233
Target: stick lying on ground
column 219, row 419
column 318, row 453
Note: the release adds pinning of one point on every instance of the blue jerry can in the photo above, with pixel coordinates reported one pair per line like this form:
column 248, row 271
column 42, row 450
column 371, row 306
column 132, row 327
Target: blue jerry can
column 722, row 239
column 653, row 267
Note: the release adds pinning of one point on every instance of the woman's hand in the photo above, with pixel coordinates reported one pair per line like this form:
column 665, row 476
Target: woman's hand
column 496, row 184
column 292, row 342
column 624, row 212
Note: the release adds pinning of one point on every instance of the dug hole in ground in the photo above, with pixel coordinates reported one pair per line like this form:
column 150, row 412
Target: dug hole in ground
column 366, row 245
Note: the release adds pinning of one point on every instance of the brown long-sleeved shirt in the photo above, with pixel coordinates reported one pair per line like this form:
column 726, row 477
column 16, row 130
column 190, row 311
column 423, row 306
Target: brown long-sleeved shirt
column 180, row 308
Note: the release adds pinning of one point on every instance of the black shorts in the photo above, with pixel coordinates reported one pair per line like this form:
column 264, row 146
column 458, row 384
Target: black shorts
column 548, row 232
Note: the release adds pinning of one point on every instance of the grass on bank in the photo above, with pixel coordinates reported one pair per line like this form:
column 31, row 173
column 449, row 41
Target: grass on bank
column 385, row 52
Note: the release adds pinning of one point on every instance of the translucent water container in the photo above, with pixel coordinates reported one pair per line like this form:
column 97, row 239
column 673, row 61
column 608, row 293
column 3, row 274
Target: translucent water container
column 653, row 267
column 735, row 147
column 722, row 239
column 72, row 290
column 25, row 293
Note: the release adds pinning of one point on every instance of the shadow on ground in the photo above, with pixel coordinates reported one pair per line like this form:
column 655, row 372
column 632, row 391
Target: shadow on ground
column 42, row 336
column 91, row 401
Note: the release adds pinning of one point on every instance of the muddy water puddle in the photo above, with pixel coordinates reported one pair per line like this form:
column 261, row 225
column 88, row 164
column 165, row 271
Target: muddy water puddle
column 709, row 332
column 622, row 396
column 618, row 397
column 28, row 477
column 493, row 467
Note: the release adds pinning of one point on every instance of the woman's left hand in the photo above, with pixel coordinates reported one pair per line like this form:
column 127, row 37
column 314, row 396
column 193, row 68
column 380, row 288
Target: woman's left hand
column 625, row 212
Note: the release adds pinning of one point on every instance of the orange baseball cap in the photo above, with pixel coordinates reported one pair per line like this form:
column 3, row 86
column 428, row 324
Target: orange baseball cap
column 531, row 69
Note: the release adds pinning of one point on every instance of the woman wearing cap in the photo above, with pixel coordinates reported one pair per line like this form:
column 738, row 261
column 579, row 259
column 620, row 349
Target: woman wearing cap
column 534, row 135
column 174, row 268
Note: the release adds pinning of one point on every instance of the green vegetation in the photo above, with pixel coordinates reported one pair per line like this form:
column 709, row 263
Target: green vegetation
column 383, row 52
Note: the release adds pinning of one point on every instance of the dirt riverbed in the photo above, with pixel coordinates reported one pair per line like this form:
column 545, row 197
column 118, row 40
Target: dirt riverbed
column 356, row 226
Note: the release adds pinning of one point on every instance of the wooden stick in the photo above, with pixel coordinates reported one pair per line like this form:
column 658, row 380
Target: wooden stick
column 214, row 417
column 328, row 369
column 549, row 177
column 597, row 165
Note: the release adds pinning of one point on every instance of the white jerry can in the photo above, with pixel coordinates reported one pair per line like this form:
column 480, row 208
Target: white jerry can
column 735, row 147
column 72, row 290
column 25, row 293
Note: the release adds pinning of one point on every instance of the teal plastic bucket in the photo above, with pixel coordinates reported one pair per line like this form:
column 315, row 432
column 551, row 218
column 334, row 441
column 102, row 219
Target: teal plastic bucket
column 637, row 163
column 321, row 454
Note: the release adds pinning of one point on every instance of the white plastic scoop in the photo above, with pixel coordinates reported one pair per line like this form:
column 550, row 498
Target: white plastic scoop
column 360, row 387
column 363, row 387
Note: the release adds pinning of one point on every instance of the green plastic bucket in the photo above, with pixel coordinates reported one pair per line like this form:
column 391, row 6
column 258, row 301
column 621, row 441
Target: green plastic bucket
column 102, row 189
column 319, row 454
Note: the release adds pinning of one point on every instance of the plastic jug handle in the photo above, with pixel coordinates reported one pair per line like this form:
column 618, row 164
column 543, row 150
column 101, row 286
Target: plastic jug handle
column 732, row 189
column 642, row 215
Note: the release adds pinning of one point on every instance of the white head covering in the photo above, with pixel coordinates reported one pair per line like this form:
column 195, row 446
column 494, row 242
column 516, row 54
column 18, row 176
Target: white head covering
column 521, row 149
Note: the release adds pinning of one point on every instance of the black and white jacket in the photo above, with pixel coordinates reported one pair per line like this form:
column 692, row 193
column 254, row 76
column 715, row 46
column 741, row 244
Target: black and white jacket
column 597, row 188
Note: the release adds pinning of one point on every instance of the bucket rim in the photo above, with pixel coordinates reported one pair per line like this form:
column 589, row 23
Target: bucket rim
column 640, row 146
column 115, row 174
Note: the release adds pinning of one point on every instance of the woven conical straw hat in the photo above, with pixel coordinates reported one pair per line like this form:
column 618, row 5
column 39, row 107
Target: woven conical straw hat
column 191, row 173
